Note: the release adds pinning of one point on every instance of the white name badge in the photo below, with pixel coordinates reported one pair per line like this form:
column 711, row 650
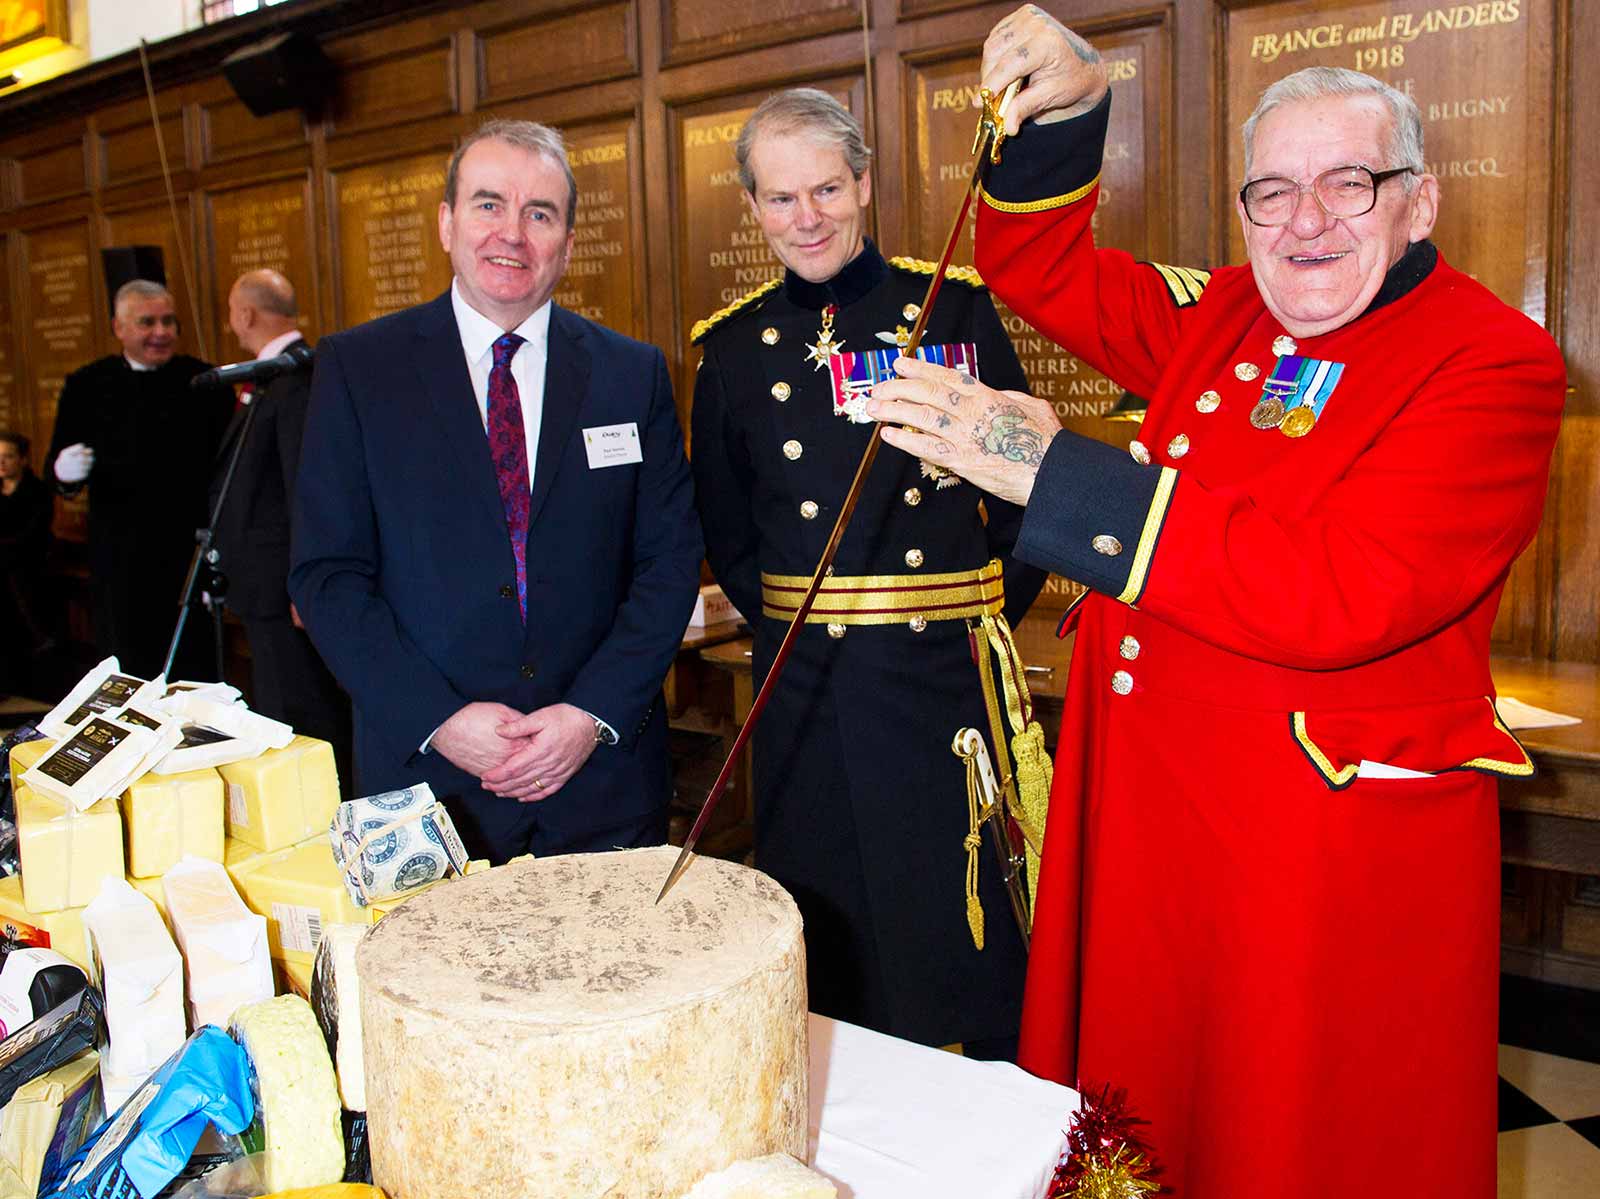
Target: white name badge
column 612, row 445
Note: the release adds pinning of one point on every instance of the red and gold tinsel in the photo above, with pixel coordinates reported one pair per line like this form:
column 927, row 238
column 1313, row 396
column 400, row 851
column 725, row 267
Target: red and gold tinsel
column 1104, row 1157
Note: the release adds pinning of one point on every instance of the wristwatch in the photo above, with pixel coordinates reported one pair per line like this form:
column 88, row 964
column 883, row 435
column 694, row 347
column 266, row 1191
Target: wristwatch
column 604, row 734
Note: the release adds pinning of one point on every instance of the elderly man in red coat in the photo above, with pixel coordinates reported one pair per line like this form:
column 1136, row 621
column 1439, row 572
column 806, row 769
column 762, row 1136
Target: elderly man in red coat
column 1270, row 896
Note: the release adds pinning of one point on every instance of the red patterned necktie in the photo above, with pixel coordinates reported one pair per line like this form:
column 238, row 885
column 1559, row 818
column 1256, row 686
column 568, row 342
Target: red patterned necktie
column 508, row 446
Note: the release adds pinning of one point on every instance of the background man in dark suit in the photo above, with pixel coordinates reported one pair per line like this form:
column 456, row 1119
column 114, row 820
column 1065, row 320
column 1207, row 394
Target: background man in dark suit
column 495, row 543
column 288, row 681
column 130, row 426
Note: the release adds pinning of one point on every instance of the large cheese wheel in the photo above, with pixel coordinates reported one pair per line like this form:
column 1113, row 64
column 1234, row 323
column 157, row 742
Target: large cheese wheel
column 545, row 1030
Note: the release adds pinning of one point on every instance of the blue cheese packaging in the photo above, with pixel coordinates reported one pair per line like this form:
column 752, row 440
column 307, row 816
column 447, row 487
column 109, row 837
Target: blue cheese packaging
column 388, row 844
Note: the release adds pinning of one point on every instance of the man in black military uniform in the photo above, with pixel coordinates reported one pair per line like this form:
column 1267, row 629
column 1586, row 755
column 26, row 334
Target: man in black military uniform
column 861, row 807
column 131, row 428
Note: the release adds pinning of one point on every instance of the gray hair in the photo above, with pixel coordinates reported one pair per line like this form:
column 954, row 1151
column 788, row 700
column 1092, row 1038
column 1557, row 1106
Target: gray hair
column 1320, row 83
column 525, row 135
column 138, row 289
column 808, row 110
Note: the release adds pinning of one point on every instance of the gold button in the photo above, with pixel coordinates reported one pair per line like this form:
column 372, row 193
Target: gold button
column 835, row 631
column 809, row 510
column 911, row 311
column 918, row 623
column 1122, row 682
column 1129, row 648
column 1178, row 446
column 1140, row 452
column 1106, row 544
column 769, row 335
column 912, row 497
column 1246, row 371
column 1209, row 401
column 1283, row 344
column 780, row 391
column 792, row 450
column 913, row 558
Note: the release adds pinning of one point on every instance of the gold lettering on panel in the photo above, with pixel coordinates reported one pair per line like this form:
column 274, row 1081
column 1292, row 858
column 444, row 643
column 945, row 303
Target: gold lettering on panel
column 389, row 252
column 599, row 279
column 263, row 228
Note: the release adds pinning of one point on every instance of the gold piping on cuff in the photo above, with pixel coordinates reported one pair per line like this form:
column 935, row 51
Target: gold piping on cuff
column 1336, row 778
column 1153, row 521
column 1071, row 197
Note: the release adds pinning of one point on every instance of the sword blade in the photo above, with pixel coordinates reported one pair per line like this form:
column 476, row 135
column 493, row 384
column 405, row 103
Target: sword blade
column 846, row 511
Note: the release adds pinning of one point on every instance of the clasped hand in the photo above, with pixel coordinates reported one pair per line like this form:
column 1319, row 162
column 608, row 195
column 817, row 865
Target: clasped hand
column 516, row 756
column 993, row 439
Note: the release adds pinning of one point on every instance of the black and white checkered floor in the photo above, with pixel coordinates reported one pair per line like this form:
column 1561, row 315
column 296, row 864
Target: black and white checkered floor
column 1549, row 1091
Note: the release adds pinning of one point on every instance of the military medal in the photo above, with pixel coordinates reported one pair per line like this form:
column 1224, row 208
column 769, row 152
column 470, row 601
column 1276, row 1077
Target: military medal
column 825, row 347
column 1268, row 413
column 901, row 337
column 856, row 372
column 1298, row 422
column 1293, row 395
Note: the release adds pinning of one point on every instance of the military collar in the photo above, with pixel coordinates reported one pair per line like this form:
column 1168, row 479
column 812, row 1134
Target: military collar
column 1415, row 265
column 859, row 276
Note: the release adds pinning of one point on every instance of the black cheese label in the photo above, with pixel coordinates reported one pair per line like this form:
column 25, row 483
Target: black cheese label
column 199, row 734
column 142, row 719
column 116, row 690
column 82, row 752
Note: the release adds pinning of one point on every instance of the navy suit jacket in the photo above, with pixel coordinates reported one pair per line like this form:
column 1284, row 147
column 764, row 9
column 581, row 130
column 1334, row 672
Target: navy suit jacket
column 403, row 573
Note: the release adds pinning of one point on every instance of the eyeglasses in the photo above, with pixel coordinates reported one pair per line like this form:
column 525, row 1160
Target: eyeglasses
column 1342, row 193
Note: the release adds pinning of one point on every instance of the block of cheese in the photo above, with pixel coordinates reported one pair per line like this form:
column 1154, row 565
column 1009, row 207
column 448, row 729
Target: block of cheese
column 293, row 978
column 336, row 1001
column 152, row 890
column 46, row 1122
column 139, row 971
column 546, row 1029
column 776, row 1176
column 379, row 908
column 65, row 853
column 299, row 890
column 27, row 753
column 282, row 797
column 61, row 930
column 298, row 1113
column 165, row 816
column 224, row 943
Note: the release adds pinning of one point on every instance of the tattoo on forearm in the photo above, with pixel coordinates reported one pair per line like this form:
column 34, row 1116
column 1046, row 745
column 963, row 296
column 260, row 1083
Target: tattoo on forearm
column 1004, row 431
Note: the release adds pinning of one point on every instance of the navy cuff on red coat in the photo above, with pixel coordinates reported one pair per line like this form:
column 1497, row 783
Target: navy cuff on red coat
column 1095, row 515
column 1045, row 166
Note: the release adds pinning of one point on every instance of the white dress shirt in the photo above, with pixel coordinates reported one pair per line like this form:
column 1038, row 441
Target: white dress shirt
column 279, row 344
column 478, row 335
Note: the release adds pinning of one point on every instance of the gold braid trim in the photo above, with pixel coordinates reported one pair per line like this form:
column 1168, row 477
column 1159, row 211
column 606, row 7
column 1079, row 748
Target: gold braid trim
column 977, row 813
column 701, row 328
column 921, row 266
column 1023, row 206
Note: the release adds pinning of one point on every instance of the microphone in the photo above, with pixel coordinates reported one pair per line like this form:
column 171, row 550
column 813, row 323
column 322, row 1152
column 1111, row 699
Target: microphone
column 258, row 370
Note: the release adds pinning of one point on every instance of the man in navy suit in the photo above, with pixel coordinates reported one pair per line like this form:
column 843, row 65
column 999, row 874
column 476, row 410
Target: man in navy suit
column 495, row 542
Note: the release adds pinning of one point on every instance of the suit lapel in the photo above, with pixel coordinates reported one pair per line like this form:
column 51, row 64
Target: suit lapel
column 442, row 369
column 566, row 386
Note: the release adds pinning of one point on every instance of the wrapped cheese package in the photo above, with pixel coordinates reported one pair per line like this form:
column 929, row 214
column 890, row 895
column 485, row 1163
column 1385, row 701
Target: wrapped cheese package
column 395, row 842
column 99, row 757
column 140, row 972
column 60, row 930
column 46, row 1122
column 52, row 1040
column 141, row 1148
column 297, row 1101
column 282, row 797
column 33, row 982
column 224, row 943
column 65, row 854
column 103, row 689
column 165, row 817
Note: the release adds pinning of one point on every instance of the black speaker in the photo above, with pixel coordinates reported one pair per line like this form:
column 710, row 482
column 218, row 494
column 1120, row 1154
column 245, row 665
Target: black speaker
column 123, row 264
column 286, row 71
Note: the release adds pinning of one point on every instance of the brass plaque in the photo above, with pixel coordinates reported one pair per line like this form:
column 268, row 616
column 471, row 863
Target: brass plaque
column 63, row 329
column 599, row 282
column 11, row 415
column 387, row 234
column 262, row 227
column 1479, row 74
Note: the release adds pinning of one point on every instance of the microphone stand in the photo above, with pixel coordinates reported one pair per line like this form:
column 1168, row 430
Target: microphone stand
column 205, row 555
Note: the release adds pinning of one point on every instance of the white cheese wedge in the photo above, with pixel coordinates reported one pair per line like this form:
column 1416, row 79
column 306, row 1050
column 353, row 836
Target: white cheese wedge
column 299, row 1099
column 65, row 854
column 224, row 943
column 284, row 796
column 140, row 974
column 776, row 1176
column 168, row 816
column 336, row 1000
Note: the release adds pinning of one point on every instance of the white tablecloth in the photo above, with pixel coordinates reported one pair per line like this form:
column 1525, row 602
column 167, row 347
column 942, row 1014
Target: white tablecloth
column 893, row 1120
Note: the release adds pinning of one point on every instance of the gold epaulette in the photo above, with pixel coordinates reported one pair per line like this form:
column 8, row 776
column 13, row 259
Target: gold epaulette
column 1186, row 283
column 701, row 328
column 921, row 266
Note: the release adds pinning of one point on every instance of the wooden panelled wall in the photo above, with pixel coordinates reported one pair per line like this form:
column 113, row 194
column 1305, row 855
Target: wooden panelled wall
column 651, row 94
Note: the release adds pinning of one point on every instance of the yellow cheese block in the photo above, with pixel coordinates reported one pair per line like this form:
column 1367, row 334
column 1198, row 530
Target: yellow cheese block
column 65, row 853
column 152, row 890
column 282, row 797
column 61, row 931
column 47, row 1119
column 168, row 815
column 298, row 890
column 29, row 753
column 293, row 978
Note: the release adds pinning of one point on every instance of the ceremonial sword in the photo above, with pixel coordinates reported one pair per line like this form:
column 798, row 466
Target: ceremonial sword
column 986, row 143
